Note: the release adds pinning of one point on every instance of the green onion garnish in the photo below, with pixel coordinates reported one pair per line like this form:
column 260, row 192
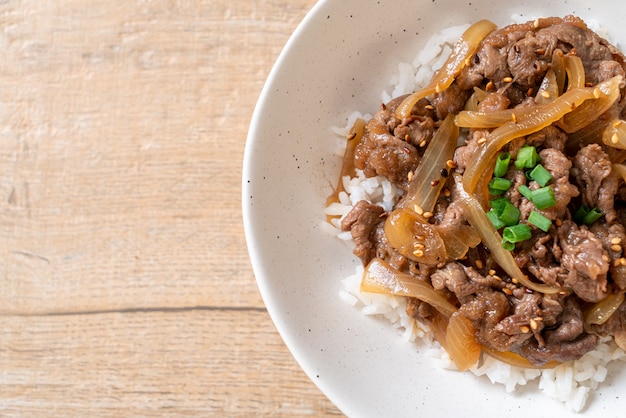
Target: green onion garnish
column 592, row 216
column 527, row 157
column 540, row 175
column 580, row 213
column 525, row 191
column 540, row 221
column 502, row 164
column 493, row 217
column 509, row 246
column 543, row 198
column 516, row 233
column 506, row 212
column 498, row 186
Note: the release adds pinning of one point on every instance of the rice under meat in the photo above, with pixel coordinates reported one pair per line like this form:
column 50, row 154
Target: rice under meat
column 527, row 257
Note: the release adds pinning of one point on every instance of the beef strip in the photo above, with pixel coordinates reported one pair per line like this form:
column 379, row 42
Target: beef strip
column 486, row 310
column 612, row 237
column 585, row 262
column 593, row 172
column 362, row 221
column 568, row 341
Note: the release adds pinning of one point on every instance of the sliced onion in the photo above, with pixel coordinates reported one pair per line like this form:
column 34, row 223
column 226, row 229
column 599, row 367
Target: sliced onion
column 463, row 50
column 534, row 121
column 490, row 119
column 347, row 165
column 477, row 96
column 427, row 182
column 558, row 65
column 516, row 360
column 549, row 88
column 606, row 93
column 478, row 219
column 413, row 237
column 600, row 312
column 380, row 277
column 458, row 240
column 615, row 134
column 575, row 72
column 461, row 343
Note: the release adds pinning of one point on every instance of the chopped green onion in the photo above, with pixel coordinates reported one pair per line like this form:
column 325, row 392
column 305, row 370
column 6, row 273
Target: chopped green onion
column 493, row 217
column 498, row 186
column 506, row 212
column 527, row 157
column 525, row 191
column 498, row 204
column 592, row 216
column 516, row 233
column 543, row 198
column 502, row 164
column 540, row 175
column 540, row 221
column 580, row 214
column 509, row 246
column 510, row 215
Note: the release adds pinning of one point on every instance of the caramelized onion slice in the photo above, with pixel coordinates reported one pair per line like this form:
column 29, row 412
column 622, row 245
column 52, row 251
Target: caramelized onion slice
column 413, row 237
column 347, row 166
column 605, row 93
column 534, row 121
column 380, row 277
column 463, row 50
column 614, row 134
column 600, row 312
column 575, row 72
column 478, row 219
column 516, row 360
column 491, row 119
column 461, row 343
column 549, row 88
column 427, row 180
column 458, row 240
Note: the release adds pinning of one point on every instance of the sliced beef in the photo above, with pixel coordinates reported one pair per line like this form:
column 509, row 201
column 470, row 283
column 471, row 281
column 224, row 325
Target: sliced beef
column 451, row 100
column 391, row 147
column 362, row 221
column 613, row 237
column 584, row 260
column 486, row 310
column 593, row 172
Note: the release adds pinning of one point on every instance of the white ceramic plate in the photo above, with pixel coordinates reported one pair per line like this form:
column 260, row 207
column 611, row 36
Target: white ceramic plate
column 339, row 59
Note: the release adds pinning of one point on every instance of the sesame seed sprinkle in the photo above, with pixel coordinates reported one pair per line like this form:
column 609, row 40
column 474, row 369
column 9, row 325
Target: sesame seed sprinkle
column 418, row 253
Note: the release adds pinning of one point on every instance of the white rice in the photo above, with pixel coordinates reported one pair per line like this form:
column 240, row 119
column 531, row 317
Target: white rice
column 571, row 383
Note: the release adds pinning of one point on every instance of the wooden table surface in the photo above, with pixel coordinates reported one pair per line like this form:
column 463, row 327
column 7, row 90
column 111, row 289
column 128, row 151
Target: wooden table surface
column 125, row 283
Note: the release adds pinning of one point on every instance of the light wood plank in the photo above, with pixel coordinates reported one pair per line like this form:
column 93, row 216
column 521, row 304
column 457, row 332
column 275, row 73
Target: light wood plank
column 122, row 138
column 176, row 363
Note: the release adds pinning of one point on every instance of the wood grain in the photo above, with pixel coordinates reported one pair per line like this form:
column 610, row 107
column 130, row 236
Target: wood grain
column 125, row 284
